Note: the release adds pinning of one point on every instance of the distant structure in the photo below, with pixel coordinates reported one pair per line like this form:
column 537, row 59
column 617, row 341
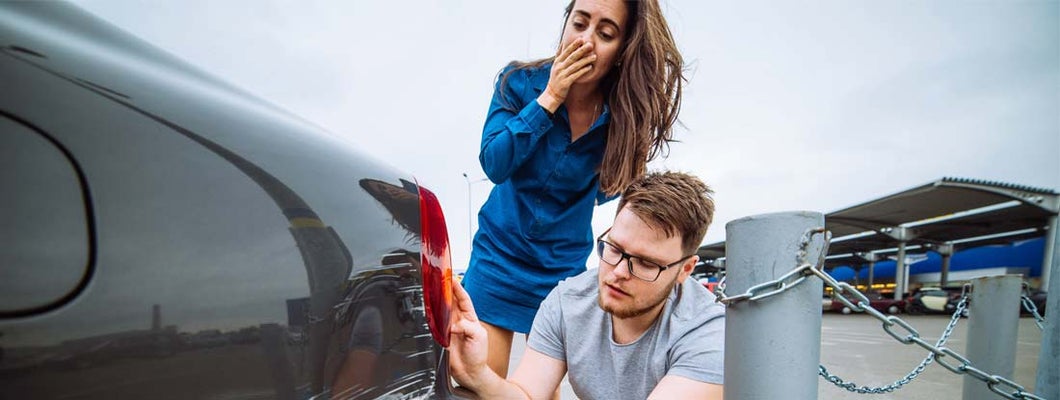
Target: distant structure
column 156, row 317
column 935, row 221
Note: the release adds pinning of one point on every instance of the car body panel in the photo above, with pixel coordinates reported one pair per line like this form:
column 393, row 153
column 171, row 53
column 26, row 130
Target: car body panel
column 236, row 251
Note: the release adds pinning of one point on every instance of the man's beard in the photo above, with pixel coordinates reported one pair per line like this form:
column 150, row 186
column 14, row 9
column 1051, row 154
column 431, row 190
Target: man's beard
column 630, row 312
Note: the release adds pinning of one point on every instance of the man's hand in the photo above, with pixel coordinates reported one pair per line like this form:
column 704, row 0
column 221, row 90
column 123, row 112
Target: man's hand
column 537, row 376
column 468, row 342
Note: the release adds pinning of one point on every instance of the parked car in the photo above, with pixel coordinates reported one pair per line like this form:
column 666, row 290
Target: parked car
column 880, row 302
column 934, row 300
column 1038, row 298
column 168, row 236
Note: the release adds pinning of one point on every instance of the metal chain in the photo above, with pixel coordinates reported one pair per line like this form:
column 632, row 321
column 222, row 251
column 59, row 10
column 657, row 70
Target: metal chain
column 787, row 281
column 853, row 387
column 1025, row 298
column 939, row 354
column 997, row 384
column 766, row 289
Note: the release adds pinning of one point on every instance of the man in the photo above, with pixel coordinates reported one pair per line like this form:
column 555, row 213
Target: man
column 635, row 328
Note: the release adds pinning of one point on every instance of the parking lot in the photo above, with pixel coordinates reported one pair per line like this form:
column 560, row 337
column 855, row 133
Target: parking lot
column 855, row 348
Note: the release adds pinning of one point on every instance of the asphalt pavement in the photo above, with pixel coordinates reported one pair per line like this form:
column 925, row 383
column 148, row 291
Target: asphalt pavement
column 857, row 349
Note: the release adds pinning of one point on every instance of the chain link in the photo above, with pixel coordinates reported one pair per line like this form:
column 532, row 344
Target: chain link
column 1028, row 304
column 937, row 352
column 852, row 387
column 785, row 282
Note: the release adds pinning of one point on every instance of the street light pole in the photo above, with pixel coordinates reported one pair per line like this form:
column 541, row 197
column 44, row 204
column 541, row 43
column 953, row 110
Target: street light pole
column 470, row 232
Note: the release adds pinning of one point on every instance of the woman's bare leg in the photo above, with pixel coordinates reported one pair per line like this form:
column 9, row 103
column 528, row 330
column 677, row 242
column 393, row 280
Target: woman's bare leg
column 500, row 349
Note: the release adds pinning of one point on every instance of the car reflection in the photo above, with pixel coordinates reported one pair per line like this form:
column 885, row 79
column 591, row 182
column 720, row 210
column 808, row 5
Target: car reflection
column 235, row 251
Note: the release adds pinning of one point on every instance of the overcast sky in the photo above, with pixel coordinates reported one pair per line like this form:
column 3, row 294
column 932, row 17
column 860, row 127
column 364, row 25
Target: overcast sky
column 809, row 105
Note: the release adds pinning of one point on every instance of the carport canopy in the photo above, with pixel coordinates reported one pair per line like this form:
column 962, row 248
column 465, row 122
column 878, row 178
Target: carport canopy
column 949, row 214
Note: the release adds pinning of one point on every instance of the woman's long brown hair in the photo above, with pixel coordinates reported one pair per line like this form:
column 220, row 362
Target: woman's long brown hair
column 643, row 91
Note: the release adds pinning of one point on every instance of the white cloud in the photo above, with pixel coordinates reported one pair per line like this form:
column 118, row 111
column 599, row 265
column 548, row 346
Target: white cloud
column 817, row 105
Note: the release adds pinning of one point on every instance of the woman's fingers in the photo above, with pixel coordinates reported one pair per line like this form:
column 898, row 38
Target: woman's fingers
column 578, row 53
column 580, row 64
column 574, row 60
column 566, row 51
column 577, row 61
column 578, row 74
column 582, row 51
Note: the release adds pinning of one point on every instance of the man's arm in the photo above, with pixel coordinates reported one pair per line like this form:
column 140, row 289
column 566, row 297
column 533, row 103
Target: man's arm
column 677, row 387
column 537, row 376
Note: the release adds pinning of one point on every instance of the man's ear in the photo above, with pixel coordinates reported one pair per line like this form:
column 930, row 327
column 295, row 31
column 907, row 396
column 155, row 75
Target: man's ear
column 686, row 268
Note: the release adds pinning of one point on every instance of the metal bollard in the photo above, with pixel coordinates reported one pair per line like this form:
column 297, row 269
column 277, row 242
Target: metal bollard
column 1048, row 382
column 992, row 322
column 772, row 345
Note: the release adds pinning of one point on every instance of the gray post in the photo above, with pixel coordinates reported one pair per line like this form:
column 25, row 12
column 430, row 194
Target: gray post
column 944, row 276
column 1047, row 385
column 470, row 232
column 762, row 248
column 872, row 269
column 869, row 257
column 1052, row 238
column 902, row 235
column 994, row 307
column 901, row 273
column 946, row 251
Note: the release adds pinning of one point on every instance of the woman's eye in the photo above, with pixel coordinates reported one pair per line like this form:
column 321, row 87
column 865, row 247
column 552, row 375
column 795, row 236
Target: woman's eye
column 607, row 36
column 578, row 25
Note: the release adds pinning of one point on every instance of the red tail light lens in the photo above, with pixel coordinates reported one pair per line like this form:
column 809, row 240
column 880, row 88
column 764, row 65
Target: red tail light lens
column 436, row 266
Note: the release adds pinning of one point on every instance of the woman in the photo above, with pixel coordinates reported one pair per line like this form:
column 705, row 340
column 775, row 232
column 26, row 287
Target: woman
column 563, row 134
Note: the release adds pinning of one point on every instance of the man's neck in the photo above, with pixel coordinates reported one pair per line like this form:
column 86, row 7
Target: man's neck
column 627, row 330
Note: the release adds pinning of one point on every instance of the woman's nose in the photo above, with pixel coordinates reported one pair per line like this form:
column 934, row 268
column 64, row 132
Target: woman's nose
column 587, row 37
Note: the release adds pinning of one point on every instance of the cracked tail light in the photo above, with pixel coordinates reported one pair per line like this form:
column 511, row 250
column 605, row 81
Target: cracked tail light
column 436, row 266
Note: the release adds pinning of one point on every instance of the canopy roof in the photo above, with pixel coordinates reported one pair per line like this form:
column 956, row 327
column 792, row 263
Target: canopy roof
column 961, row 212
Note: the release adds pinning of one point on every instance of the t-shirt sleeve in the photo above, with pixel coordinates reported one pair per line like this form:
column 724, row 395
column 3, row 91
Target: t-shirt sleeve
column 700, row 354
column 546, row 334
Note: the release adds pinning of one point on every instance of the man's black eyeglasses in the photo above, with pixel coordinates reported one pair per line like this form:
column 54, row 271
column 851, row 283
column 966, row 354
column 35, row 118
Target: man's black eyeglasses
column 639, row 267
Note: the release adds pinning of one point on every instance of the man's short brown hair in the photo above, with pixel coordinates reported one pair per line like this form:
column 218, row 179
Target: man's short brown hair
column 676, row 202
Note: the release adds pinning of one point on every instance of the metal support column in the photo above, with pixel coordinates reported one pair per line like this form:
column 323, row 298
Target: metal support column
column 901, row 273
column 872, row 269
column 902, row 235
column 763, row 248
column 946, row 251
column 993, row 318
column 871, row 258
column 1047, row 384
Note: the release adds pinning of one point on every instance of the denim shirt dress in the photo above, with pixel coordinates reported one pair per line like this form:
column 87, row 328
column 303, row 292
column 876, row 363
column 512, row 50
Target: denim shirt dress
column 535, row 228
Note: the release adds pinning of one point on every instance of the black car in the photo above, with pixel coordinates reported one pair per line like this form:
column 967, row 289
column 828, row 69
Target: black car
column 167, row 236
column 1038, row 299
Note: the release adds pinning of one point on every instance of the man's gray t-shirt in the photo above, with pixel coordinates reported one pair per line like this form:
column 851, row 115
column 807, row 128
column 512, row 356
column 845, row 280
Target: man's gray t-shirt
column 687, row 340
